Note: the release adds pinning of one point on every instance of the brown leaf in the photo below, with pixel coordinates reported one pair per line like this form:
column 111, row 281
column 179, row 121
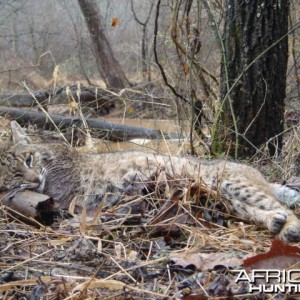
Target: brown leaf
column 168, row 210
column 186, row 68
column 115, row 22
column 280, row 256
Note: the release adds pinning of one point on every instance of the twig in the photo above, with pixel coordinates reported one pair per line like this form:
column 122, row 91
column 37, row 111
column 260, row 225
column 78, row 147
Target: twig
column 45, row 112
column 157, row 60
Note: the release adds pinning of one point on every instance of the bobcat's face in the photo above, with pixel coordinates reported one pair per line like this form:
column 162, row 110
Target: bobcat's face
column 45, row 168
column 21, row 166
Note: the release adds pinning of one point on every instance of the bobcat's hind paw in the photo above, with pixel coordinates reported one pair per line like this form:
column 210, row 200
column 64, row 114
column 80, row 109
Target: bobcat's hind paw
column 277, row 222
column 290, row 233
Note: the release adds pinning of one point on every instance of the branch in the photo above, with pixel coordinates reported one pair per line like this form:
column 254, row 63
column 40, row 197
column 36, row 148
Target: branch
column 156, row 57
column 99, row 129
column 137, row 19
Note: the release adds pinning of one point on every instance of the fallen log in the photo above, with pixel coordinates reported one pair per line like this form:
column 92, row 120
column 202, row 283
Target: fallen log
column 98, row 129
column 33, row 208
column 16, row 100
column 101, row 101
column 29, row 206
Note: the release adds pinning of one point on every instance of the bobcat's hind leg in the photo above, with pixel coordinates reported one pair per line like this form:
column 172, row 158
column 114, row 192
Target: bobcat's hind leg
column 281, row 221
column 274, row 221
column 258, row 203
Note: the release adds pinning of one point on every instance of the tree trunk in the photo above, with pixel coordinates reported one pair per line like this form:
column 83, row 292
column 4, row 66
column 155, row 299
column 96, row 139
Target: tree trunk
column 109, row 68
column 253, row 70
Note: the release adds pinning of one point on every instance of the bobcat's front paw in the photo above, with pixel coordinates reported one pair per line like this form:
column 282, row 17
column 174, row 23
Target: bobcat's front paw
column 277, row 221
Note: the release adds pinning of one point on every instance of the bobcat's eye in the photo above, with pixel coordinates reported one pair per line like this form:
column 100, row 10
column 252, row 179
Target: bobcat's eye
column 18, row 175
column 29, row 161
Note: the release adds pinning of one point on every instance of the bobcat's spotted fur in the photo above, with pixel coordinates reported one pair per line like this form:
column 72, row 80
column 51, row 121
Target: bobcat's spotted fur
column 64, row 173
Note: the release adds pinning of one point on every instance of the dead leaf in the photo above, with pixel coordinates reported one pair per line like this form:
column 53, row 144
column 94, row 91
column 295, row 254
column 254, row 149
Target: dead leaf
column 133, row 255
column 168, row 210
column 186, row 68
column 7, row 286
column 115, row 22
column 280, row 256
column 81, row 249
column 219, row 286
column 186, row 260
column 205, row 261
column 61, row 241
column 99, row 283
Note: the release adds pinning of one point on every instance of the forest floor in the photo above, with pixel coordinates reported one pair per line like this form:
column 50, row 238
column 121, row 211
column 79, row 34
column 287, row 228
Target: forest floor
column 165, row 247
column 177, row 242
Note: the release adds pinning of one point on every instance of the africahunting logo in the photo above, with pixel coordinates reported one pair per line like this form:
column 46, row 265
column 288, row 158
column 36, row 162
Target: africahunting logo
column 270, row 281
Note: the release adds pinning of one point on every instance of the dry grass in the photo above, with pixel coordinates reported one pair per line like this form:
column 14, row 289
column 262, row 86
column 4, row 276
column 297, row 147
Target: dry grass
column 292, row 153
column 124, row 252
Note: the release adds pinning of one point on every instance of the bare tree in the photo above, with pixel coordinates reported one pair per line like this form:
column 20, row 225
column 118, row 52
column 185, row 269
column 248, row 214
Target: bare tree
column 109, row 68
column 145, row 56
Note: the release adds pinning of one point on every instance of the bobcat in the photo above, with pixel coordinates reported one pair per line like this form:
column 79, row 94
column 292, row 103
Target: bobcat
column 64, row 173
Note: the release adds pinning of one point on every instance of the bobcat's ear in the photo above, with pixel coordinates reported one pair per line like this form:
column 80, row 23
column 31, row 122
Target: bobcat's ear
column 18, row 134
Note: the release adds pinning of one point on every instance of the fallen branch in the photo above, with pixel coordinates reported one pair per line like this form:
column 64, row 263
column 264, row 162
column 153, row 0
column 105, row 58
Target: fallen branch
column 101, row 101
column 99, row 129
column 16, row 100
column 31, row 207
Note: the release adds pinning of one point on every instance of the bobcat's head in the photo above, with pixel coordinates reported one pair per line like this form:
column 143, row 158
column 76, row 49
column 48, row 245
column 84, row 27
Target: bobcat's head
column 52, row 169
column 22, row 164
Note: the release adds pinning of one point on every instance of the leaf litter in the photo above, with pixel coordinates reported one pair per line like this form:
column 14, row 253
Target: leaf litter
column 177, row 241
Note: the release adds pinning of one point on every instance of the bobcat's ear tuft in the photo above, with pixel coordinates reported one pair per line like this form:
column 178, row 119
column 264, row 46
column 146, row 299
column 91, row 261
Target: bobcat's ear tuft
column 18, row 134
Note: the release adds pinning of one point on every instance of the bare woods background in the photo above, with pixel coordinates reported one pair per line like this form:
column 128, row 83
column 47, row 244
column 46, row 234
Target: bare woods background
column 231, row 67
